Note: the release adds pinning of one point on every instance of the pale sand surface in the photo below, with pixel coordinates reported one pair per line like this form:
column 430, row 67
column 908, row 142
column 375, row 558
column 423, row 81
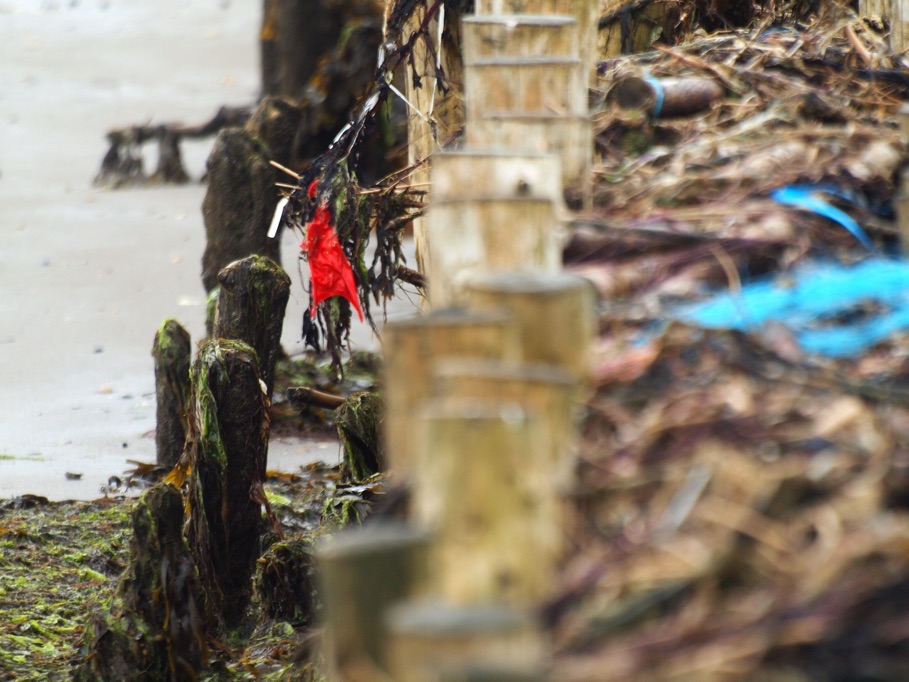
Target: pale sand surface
column 87, row 275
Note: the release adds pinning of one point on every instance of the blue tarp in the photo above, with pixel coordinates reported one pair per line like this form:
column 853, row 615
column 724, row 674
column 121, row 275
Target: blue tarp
column 832, row 309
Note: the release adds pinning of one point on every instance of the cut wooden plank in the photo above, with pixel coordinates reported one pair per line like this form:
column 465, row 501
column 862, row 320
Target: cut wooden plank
column 520, row 35
column 472, row 492
column 362, row 574
column 555, row 313
column 437, row 642
column 411, row 347
column 531, row 85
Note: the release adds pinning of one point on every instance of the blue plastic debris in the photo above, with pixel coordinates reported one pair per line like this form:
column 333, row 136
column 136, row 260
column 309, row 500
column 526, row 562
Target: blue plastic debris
column 834, row 310
column 810, row 198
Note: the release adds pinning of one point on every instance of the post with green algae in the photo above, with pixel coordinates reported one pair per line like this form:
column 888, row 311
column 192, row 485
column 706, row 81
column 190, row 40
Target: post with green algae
column 154, row 623
column 251, row 304
column 230, row 432
column 173, row 354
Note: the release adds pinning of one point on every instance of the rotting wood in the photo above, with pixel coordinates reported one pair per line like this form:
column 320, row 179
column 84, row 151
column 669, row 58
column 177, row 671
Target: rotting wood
column 155, row 620
column 172, row 355
column 666, row 97
column 304, row 395
column 230, row 428
column 473, row 491
column 359, row 421
column 411, row 346
column 251, row 303
column 555, row 314
column 285, row 581
column 241, row 197
column 362, row 573
column 432, row 640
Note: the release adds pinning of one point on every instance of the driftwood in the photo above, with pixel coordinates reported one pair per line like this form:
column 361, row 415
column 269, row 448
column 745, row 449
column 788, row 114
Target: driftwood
column 172, row 353
column 230, row 424
column 251, row 303
column 666, row 97
column 155, row 619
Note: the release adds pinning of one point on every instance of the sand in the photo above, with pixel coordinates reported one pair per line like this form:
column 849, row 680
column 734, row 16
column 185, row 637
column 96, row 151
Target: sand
column 87, row 275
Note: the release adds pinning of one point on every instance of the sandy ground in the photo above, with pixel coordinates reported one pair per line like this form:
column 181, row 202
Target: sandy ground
column 87, row 275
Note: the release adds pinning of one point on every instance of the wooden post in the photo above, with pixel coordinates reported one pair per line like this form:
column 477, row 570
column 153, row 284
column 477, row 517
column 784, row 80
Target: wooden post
column 251, row 304
column 491, row 211
column 230, row 425
column 584, row 11
column 899, row 25
column 472, row 490
column 362, row 573
column 411, row 347
column 874, row 8
column 902, row 211
column 441, row 105
column 173, row 354
column 556, row 315
column 530, row 85
column 436, row 642
column 524, row 35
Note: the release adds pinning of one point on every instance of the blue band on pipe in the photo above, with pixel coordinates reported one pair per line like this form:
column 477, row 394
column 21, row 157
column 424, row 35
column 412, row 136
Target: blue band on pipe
column 658, row 92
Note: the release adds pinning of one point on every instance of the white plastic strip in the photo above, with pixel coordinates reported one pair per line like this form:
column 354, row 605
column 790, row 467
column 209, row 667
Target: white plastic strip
column 277, row 218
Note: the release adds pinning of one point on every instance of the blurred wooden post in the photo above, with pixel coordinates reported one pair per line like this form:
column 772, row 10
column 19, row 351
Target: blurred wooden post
column 874, row 8
column 363, row 573
column 526, row 89
column 491, row 212
column 585, row 13
column 436, row 642
column 899, row 25
column 411, row 347
column 473, row 490
column 440, row 105
column 173, row 354
column 556, row 315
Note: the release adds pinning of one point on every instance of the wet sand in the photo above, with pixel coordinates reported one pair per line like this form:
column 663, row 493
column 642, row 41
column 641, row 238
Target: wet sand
column 87, row 275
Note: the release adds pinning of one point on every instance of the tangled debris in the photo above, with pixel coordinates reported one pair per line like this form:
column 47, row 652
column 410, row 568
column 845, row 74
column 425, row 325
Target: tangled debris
column 741, row 507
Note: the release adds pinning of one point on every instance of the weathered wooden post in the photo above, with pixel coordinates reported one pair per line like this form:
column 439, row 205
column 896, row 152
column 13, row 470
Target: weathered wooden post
column 472, row 490
column 437, row 642
column 492, row 212
column 251, row 303
column 173, row 354
column 556, row 315
column 411, row 347
column 899, row 25
column 230, row 428
column 363, row 573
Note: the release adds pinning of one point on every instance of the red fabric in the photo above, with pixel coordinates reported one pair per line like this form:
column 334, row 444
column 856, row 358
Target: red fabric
column 329, row 271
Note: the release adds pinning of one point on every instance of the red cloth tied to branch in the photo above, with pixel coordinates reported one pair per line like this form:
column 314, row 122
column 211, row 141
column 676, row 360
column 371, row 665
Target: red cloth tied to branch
column 329, row 270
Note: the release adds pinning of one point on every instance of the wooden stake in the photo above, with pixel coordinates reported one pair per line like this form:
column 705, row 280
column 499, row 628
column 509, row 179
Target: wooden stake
column 555, row 315
column 899, row 25
column 436, row 642
column 472, row 236
column 173, row 354
column 530, row 85
column 568, row 137
column 500, row 174
column 586, row 12
column 362, row 573
column 411, row 347
column 230, row 425
column 525, row 35
column 472, row 490
column 251, row 304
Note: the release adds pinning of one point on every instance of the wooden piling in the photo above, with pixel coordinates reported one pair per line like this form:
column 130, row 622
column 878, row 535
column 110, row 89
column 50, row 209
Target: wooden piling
column 899, row 25
column 251, row 303
column 438, row 642
column 230, row 426
column 411, row 346
column 472, row 490
column 555, row 314
column 172, row 355
column 522, row 35
column 585, row 12
column 362, row 574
